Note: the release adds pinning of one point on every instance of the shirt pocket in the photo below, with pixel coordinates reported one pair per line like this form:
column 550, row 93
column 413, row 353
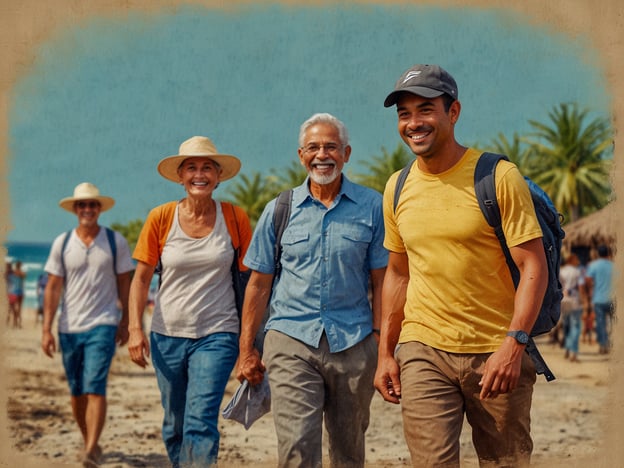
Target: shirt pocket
column 353, row 241
column 295, row 244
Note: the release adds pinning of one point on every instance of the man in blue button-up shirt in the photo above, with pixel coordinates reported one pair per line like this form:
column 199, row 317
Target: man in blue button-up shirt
column 320, row 348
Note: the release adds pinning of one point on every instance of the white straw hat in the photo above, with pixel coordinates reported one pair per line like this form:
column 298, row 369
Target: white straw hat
column 86, row 191
column 199, row 146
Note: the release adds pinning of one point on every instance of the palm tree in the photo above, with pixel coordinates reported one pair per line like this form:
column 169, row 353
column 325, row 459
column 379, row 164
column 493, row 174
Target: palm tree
column 516, row 150
column 382, row 167
column 571, row 160
column 295, row 175
column 252, row 194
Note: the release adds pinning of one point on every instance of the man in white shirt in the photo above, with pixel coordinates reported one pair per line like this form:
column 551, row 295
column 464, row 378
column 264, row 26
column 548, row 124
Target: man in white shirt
column 89, row 267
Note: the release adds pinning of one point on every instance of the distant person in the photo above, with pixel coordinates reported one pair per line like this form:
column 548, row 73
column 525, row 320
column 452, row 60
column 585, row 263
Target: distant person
column 15, row 289
column 600, row 286
column 195, row 323
column 82, row 271
column 11, row 298
column 572, row 283
column 449, row 300
column 320, row 349
column 42, row 281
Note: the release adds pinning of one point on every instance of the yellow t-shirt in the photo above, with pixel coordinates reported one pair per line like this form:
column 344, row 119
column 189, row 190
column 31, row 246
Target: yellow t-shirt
column 460, row 296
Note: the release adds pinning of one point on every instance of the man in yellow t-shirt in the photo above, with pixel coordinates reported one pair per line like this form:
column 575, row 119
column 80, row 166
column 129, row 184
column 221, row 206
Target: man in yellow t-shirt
column 448, row 298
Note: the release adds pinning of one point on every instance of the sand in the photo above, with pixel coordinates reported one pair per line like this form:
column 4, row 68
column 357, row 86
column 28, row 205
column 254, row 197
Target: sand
column 567, row 415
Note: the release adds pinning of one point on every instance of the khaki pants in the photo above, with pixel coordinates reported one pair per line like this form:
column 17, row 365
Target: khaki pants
column 438, row 388
column 309, row 384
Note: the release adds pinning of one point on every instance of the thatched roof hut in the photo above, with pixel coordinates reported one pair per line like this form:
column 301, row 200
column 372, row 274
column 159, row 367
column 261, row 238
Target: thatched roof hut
column 592, row 230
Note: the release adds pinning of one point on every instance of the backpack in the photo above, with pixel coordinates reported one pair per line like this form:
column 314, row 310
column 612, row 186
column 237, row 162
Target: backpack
column 550, row 223
column 110, row 235
column 281, row 215
column 280, row 220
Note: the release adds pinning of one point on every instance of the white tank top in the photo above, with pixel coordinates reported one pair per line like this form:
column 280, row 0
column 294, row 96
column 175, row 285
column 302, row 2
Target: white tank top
column 196, row 297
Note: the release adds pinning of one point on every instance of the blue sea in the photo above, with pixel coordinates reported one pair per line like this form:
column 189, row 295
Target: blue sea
column 33, row 256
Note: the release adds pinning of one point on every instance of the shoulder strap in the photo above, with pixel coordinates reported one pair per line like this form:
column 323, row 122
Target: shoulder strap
column 63, row 247
column 229, row 214
column 485, row 190
column 281, row 216
column 167, row 212
column 110, row 234
column 401, row 182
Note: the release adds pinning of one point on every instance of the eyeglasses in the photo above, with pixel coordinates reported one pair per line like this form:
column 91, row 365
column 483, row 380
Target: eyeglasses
column 88, row 204
column 330, row 148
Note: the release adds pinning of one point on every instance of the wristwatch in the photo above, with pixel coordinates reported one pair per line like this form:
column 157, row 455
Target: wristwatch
column 521, row 337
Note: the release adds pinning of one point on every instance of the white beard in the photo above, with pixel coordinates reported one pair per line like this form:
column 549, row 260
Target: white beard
column 324, row 179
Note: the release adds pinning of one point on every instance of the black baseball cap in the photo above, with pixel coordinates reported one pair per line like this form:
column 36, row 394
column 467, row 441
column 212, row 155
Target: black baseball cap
column 428, row 81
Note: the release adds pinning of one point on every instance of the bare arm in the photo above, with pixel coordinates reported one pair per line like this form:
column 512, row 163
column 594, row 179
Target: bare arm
column 51, row 299
column 502, row 369
column 123, row 288
column 377, row 277
column 393, row 297
column 138, row 346
column 257, row 296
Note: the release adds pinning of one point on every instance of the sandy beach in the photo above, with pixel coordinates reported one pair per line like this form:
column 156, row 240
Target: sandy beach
column 568, row 423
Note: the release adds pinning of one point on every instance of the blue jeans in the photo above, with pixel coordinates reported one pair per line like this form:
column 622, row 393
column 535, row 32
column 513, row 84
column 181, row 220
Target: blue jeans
column 603, row 313
column 87, row 358
column 192, row 375
column 573, row 332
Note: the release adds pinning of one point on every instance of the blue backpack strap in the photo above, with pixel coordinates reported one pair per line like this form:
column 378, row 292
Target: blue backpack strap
column 63, row 247
column 401, row 182
column 485, row 191
column 281, row 216
column 110, row 234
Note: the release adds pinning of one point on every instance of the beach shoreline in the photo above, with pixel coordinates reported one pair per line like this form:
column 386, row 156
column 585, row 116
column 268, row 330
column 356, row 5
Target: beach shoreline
column 568, row 423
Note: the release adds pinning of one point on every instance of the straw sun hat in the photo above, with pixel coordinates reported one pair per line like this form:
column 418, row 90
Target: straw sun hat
column 199, row 146
column 86, row 191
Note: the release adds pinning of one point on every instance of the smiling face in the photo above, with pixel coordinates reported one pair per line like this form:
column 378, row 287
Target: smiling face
column 88, row 212
column 323, row 154
column 424, row 124
column 199, row 175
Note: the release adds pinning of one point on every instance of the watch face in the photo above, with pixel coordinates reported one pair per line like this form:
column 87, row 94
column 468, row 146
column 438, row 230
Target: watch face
column 521, row 337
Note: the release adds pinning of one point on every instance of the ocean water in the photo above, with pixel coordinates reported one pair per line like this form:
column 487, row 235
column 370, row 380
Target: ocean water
column 33, row 257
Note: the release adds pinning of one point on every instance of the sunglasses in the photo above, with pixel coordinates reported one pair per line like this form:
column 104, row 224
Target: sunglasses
column 88, row 204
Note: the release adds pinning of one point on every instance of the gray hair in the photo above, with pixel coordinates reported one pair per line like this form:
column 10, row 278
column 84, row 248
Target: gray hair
column 326, row 119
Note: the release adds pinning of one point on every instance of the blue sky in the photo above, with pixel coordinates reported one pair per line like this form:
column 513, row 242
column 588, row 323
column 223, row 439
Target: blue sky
column 107, row 98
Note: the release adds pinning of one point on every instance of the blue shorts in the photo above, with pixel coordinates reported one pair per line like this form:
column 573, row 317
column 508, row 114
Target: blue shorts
column 87, row 357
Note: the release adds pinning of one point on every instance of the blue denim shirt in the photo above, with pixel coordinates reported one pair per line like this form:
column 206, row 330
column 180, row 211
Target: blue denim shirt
column 326, row 259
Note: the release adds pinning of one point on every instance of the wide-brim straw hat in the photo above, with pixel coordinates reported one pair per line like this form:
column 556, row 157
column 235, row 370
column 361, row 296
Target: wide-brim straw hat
column 199, row 146
column 86, row 191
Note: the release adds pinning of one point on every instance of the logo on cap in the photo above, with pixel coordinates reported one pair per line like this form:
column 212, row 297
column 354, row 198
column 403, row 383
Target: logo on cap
column 411, row 75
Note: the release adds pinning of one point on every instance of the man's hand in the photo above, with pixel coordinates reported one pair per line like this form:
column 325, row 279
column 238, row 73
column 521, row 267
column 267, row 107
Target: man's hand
column 250, row 368
column 387, row 380
column 138, row 347
column 121, row 337
column 48, row 343
column 502, row 370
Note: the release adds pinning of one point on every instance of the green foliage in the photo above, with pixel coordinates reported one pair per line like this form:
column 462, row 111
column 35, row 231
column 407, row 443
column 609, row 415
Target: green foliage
column 130, row 231
column 516, row 150
column 572, row 160
column 253, row 193
column 569, row 158
column 382, row 167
